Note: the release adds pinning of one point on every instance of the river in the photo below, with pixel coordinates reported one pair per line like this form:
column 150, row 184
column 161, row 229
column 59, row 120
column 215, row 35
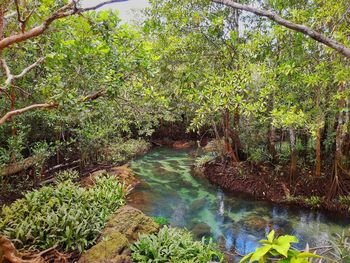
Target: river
column 169, row 190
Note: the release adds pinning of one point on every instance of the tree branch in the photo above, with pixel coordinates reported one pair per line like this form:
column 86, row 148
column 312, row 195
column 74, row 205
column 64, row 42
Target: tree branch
column 9, row 16
column 10, row 114
column 94, row 96
column 29, row 68
column 6, row 68
column 11, row 78
column 100, row 5
column 65, row 11
column 345, row 51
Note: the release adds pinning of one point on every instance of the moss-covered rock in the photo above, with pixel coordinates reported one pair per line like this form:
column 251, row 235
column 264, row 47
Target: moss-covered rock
column 130, row 222
column 123, row 229
column 112, row 248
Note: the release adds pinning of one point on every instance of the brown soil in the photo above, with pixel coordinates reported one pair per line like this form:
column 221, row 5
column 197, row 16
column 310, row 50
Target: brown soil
column 262, row 183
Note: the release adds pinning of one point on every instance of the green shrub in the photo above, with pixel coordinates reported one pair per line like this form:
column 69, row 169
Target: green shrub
column 125, row 150
column 283, row 151
column 278, row 250
column 314, row 201
column 345, row 200
column 65, row 215
column 174, row 245
column 67, row 175
column 259, row 154
column 160, row 220
column 203, row 160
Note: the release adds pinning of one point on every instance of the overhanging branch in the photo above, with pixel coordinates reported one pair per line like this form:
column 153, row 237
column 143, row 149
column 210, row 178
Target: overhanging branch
column 345, row 51
column 10, row 114
column 86, row 99
column 69, row 9
column 11, row 78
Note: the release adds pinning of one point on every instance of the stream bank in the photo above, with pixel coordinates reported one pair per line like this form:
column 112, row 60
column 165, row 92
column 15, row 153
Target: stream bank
column 260, row 182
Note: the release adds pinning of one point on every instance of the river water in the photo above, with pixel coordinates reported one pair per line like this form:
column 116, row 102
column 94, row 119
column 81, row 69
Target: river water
column 169, row 190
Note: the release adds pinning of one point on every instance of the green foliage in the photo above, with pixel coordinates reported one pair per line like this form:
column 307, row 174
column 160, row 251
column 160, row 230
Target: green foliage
column 160, row 220
column 174, row 245
column 65, row 215
column 204, row 159
column 67, row 175
column 283, row 150
column 259, row 154
column 278, row 249
column 341, row 248
column 345, row 200
column 314, row 201
column 14, row 149
column 111, row 150
column 122, row 151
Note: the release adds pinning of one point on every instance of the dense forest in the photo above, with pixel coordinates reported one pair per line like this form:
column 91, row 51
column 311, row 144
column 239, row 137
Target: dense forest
column 258, row 91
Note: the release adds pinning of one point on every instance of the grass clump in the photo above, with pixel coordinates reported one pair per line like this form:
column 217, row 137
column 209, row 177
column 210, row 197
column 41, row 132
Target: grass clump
column 174, row 245
column 314, row 201
column 64, row 215
column 160, row 220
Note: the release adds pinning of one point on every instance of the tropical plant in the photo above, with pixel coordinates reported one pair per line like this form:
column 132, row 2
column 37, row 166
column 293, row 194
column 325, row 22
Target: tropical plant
column 314, row 201
column 341, row 248
column 67, row 175
column 278, row 250
column 66, row 215
column 174, row 245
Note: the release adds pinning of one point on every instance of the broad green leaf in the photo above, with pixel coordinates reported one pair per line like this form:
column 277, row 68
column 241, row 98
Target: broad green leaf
column 259, row 253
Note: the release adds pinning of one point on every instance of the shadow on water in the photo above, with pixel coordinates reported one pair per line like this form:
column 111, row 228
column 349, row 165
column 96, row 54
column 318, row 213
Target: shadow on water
column 169, row 190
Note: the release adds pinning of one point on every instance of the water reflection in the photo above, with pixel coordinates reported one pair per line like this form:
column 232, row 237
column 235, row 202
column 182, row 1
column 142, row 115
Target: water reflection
column 169, row 190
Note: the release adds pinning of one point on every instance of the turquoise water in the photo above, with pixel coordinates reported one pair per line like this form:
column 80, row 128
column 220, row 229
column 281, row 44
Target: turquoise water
column 168, row 189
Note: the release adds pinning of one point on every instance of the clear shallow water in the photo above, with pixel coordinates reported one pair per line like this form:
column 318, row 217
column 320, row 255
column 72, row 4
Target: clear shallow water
column 169, row 190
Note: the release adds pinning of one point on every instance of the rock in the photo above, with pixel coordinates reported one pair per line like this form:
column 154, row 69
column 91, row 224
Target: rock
column 113, row 248
column 122, row 229
column 197, row 205
column 125, row 174
column 130, row 222
column 255, row 222
column 201, row 230
column 122, row 173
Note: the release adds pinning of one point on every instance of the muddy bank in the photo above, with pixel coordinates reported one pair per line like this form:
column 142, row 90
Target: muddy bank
column 261, row 184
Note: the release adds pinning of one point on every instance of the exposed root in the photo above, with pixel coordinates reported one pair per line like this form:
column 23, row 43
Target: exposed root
column 8, row 252
column 338, row 186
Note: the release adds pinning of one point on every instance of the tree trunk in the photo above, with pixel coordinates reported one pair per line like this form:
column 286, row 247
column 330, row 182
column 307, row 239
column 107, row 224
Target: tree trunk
column 227, row 144
column 272, row 144
column 19, row 166
column 235, row 135
column 339, row 132
column 293, row 156
column 318, row 135
column 2, row 22
column 318, row 152
column 215, row 128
